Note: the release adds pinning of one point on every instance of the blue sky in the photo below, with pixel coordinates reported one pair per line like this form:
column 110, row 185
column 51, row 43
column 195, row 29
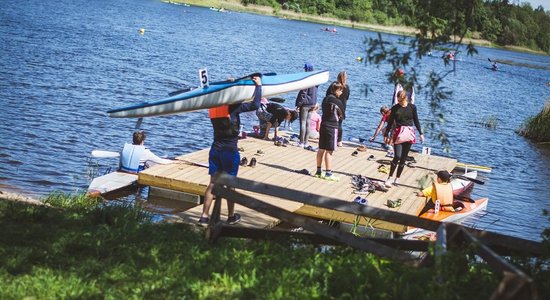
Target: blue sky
column 536, row 3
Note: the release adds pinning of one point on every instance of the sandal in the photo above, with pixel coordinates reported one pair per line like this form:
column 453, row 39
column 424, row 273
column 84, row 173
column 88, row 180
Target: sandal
column 362, row 148
column 394, row 203
column 354, row 153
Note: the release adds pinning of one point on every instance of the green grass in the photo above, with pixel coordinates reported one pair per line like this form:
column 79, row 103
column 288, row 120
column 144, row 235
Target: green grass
column 88, row 250
column 537, row 128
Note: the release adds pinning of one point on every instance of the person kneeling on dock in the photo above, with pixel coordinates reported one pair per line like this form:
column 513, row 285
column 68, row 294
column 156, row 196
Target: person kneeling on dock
column 224, row 153
column 135, row 157
column 441, row 191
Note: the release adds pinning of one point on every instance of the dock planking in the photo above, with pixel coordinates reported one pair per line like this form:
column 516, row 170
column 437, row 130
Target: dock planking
column 278, row 166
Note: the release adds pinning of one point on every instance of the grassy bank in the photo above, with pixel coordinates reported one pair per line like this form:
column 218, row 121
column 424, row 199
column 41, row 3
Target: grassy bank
column 80, row 248
column 235, row 5
column 537, row 128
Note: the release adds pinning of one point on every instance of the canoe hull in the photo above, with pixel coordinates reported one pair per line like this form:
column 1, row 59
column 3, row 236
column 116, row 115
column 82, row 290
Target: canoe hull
column 222, row 93
column 469, row 208
column 111, row 182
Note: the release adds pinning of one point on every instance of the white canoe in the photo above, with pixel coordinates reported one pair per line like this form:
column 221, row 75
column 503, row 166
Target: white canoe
column 222, row 93
column 111, row 182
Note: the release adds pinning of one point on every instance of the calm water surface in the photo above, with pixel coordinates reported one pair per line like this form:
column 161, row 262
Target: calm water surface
column 59, row 73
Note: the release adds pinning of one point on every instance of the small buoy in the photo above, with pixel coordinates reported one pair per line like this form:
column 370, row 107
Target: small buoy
column 359, row 58
column 142, row 30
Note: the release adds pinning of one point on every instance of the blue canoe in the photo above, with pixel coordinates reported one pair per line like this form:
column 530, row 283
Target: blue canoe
column 221, row 93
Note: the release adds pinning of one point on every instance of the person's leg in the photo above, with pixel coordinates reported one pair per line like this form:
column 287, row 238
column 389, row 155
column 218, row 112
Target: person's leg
column 406, row 147
column 320, row 155
column 303, row 123
column 393, row 165
column 308, row 122
column 230, row 163
column 340, row 132
column 328, row 162
column 208, row 199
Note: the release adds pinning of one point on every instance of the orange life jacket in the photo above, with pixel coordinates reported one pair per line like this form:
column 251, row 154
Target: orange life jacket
column 219, row 112
column 445, row 196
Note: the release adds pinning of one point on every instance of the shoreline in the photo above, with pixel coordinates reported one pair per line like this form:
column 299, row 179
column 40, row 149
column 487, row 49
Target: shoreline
column 236, row 5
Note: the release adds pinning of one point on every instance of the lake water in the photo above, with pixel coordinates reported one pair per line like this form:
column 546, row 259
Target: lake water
column 64, row 63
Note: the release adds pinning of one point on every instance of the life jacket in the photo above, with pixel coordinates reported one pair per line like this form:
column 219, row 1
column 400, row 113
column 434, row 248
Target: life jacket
column 130, row 158
column 221, row 121
column 445, row 196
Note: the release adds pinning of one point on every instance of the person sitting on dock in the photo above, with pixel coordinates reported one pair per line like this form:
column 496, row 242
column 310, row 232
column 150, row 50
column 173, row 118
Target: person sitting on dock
column 135, row 157
column 333, row 111
column 441, row 191
column 224, row 156
column 279, row 114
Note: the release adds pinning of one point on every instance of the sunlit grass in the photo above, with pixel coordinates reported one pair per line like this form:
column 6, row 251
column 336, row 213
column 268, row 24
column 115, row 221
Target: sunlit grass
column 537, row 128
column 116, row 252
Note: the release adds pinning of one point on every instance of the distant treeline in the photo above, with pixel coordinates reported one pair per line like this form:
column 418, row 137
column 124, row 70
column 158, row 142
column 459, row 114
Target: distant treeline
column 497, row 21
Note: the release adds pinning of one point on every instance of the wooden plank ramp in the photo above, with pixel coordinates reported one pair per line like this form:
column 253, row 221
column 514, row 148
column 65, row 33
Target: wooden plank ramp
column 278, row 166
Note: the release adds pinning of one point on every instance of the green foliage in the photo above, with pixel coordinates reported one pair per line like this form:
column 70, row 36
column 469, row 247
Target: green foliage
column 537, row 128
column 51, row 253
column 500, row 22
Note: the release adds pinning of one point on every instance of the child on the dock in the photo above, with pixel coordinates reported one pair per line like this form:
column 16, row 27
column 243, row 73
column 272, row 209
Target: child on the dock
column 224, row 156
column 385, row 112
column 314, row 123
column 441, row 190
column 328, row 134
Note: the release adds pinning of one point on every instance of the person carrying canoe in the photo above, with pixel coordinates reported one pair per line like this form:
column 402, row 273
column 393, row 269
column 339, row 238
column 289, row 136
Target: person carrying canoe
column 135, row 157
column 224, row 156
column 441, row 191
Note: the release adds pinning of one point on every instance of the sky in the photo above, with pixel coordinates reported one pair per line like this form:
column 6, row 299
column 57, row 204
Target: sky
column 536, row 3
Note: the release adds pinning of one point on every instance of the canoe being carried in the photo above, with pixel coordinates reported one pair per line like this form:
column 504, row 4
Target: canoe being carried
column 222, row 93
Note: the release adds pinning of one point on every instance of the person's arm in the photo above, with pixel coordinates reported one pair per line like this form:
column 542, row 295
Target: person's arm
column 391, row 120
column 380, row 126
column 149, row 156
column 417, row 124
column 268, row 127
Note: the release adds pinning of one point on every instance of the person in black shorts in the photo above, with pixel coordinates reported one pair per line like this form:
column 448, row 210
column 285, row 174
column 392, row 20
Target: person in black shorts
column 333, row 112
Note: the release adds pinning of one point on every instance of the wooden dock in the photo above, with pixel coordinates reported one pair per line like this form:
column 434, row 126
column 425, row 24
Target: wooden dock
column 278, row 166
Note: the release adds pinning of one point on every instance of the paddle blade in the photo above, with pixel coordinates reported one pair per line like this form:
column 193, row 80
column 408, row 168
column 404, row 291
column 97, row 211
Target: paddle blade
column 105, row 154
column 471, row 179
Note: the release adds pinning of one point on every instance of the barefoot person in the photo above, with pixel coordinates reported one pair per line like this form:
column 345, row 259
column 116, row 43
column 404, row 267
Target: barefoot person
column 224, row 156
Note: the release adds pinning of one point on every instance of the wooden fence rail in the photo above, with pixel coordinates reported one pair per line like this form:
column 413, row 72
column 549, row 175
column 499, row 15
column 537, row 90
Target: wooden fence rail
column 514, row 284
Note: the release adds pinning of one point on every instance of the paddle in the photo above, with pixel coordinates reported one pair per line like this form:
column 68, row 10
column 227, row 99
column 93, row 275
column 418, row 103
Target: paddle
column 410, row 165
column 277, row 99
column 105, row 154
column 468, row 178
